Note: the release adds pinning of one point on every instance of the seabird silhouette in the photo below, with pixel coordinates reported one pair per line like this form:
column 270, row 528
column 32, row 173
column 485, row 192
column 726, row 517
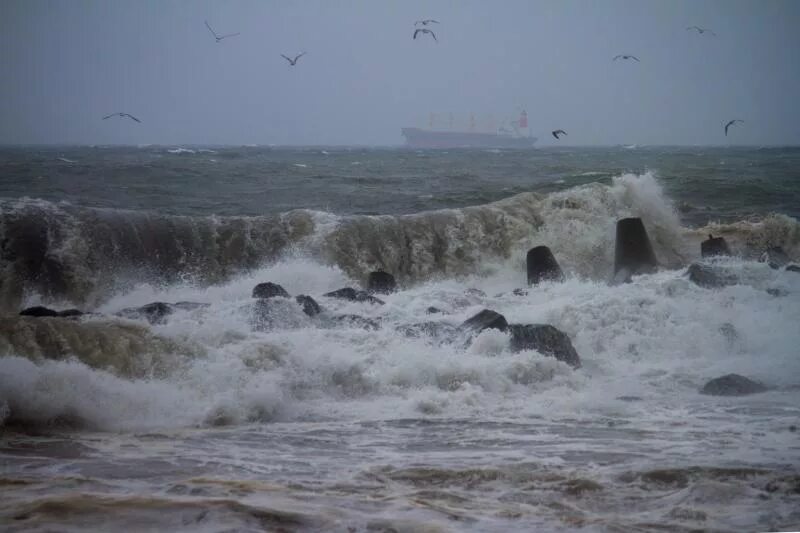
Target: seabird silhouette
column 121, row 115
column 425, row 22
column 731, row 123
column 557, row 132
column 219, row 37
column 425, row 30
column 701, row 30
column 626, row 57
column 293, row 62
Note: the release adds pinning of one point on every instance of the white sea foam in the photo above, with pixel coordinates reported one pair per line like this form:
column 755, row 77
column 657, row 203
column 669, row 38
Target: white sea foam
column 658, row 337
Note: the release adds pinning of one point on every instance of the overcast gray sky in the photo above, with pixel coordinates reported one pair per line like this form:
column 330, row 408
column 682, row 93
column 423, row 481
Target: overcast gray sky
column 65, row 64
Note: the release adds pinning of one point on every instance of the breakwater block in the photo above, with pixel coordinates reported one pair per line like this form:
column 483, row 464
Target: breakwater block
column 381, row 282
column 542, row 266
column 269, row 290
column 633, row 253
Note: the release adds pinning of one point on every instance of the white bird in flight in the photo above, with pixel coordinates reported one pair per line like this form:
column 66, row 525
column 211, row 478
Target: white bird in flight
column 425, row 22
column 121, row 115
column 219, row 37
column 626, row 57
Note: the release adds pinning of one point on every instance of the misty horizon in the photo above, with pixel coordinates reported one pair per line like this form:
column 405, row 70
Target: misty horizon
column 364, row 77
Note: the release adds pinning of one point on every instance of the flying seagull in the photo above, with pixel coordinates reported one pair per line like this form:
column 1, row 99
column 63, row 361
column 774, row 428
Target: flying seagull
column 291, row 61
column 700, row 30
column 121, row 115
column 626, row 57
column 559, row 132
column 425, row 22
column 219, row 37
column 425, row 30
column 731, row 123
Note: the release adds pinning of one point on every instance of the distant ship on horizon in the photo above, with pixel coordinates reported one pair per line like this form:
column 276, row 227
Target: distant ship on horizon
column 502, row 138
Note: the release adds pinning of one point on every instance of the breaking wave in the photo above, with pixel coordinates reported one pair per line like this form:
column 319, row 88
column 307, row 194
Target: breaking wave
column 209, row 365
column 80, row 256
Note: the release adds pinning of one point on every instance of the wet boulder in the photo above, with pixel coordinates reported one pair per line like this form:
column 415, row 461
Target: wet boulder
column 486, row 319
column 269, row 290
column 38, row 311
column 714, row 246
column 793, row 268
column 710, row 277
column 519, row 292
column 732, row 385
column 433, row 310
column 154, row 313
column 542, row 266
column 309, row 305
column 381, row 282
column 545, row 339
column 775, row 257
column 71, row 313
column 348, row 293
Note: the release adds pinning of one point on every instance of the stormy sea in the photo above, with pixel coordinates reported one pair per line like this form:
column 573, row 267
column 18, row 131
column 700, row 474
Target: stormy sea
column 177, row 398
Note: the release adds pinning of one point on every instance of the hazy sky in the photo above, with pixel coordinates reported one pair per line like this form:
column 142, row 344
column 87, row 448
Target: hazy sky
column 65, row 64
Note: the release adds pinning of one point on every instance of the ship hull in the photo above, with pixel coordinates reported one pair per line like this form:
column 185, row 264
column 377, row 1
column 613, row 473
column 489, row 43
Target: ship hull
column 419, row 138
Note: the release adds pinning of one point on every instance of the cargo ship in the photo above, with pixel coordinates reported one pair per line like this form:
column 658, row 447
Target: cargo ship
column 502, row 138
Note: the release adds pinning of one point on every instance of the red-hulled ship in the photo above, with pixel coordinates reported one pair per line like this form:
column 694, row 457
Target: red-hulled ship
column 502, row 138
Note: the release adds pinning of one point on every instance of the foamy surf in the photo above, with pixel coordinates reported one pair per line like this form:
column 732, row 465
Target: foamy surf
column 207, row 419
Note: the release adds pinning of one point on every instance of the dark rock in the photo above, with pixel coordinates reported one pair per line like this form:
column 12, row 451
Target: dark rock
column 793, row 268
column 486, row 319
column 542, row 266
column 310, row 306
column 519, row 292
column 353, row 295
column 38, row 311
column 269, row 290
column 190, row 306
column 714, row 246
column 710, row 277
column 732, row 385
column 69, row 313
column 357, row 322
column 155, row 313
column 438, row 331
column 633, row 253
column 432, row 310
column 381, row 282
column 545, row 339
